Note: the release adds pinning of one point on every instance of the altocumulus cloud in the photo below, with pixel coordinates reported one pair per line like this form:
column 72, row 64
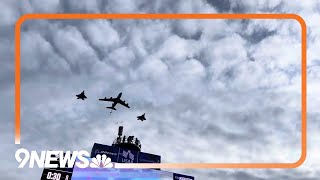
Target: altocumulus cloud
column 205, row 85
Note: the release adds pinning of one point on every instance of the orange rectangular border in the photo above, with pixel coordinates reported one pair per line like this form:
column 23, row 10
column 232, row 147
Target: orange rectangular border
column 179, row 16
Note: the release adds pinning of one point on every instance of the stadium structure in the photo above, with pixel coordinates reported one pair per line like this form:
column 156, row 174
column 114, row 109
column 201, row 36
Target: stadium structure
column 124, row 149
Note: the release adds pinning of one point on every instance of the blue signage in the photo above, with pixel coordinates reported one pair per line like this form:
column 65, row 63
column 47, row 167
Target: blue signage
column 110, row 151
column 148, row 158
column 127, row 156
column 182, row 177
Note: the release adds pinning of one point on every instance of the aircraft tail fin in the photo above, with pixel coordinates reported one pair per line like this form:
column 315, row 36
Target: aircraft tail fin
column 112, row 108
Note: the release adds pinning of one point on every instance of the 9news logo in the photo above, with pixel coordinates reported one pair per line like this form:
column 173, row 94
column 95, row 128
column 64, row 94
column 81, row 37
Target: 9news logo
column 66, row 159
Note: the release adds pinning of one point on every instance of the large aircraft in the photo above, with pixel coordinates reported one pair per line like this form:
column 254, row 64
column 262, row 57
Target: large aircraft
column 115, row 102
column 142, row 117
column 81, row 96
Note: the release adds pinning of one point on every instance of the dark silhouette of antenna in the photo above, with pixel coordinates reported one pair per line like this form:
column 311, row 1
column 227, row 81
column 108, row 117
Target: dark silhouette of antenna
column 125, row 142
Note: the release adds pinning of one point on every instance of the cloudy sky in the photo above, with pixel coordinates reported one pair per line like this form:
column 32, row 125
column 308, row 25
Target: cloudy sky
column 212, row 90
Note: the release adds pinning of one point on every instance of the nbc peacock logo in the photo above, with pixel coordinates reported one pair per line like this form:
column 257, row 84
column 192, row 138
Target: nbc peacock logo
column 101, row 161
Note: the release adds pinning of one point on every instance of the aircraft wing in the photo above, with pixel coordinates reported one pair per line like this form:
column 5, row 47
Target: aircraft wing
column 114, row 104
column 107, row 99
column 124, row 104
column 80, row 96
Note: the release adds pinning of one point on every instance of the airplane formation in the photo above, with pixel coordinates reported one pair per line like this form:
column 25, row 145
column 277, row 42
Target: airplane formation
column 114, row 101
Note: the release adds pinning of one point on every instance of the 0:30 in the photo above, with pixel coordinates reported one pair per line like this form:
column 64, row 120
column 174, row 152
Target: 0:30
column 53, row 176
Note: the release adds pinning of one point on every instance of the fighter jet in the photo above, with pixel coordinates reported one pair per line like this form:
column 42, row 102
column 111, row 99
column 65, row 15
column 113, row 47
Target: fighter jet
column 142, row 117
column 81, row 96
column 115, row 102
